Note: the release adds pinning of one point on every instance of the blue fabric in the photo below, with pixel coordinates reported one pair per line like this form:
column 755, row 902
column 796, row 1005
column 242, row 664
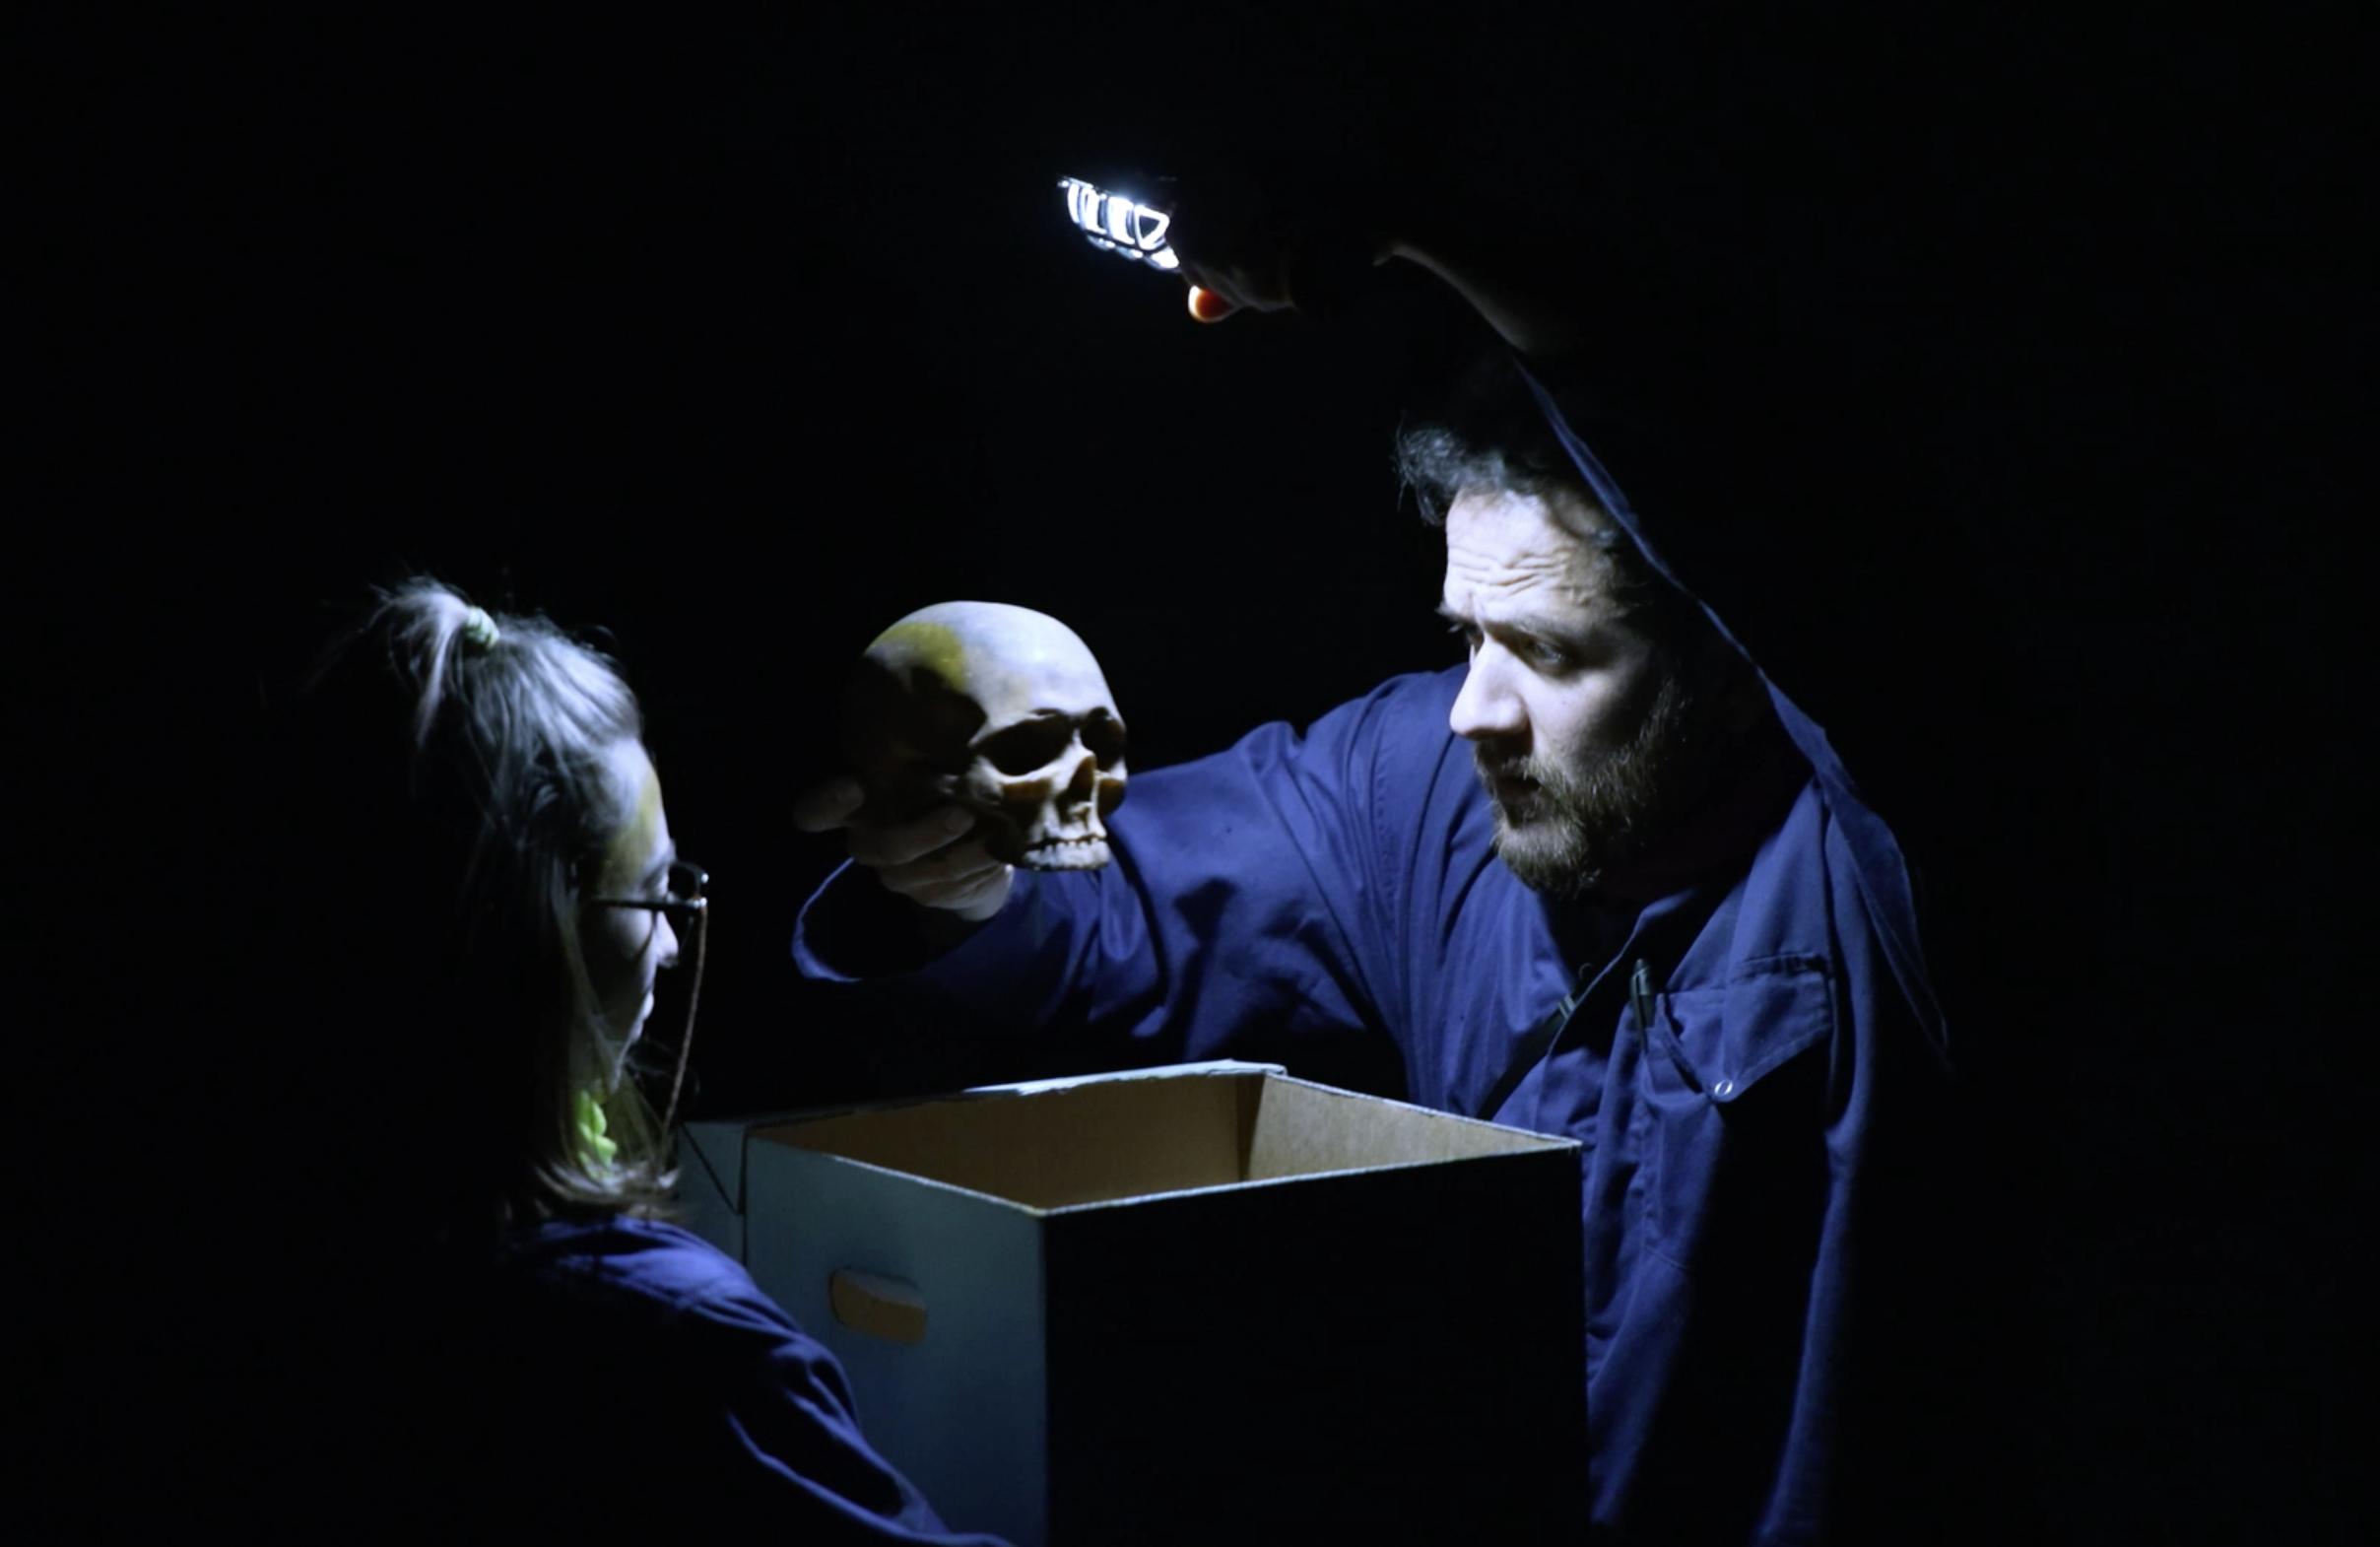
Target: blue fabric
column 1770, row 1234
column 1346, row 878
column 640, row 1338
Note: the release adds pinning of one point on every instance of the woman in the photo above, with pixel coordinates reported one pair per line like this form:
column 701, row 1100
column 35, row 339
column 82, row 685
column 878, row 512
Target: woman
column 499, row 1331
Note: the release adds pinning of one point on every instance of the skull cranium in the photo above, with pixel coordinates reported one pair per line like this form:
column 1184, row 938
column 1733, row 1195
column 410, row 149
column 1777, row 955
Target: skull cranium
column 999, row 709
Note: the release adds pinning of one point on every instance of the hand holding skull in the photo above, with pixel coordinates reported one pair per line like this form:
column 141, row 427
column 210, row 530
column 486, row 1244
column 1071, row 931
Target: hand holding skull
column 1000, row 712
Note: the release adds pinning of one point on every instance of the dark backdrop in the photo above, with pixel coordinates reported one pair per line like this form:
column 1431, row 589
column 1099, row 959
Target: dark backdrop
column 739, row 345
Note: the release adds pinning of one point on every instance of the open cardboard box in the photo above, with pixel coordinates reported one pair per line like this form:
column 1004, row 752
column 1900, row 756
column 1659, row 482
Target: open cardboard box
column 1207, row 1304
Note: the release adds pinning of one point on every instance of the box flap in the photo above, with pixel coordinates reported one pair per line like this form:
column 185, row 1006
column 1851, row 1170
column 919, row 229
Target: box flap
column 1298, row 1128
column 710, row 1154
column 711, row 1180
column 1055, row 1144
column 1049, row 1145
column 1169, row 1071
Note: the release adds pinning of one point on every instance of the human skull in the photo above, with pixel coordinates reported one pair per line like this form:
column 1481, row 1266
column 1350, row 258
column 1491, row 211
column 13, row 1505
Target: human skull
column 1001, row 709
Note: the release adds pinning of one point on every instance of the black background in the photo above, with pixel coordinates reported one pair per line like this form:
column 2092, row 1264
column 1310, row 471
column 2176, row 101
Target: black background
column 739, row 344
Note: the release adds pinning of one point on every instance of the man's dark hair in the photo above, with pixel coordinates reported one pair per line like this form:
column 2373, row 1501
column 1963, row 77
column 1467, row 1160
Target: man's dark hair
column 1489, row 435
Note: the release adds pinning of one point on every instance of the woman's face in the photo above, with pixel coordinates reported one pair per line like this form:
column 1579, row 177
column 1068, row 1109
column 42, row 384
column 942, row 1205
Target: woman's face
column 626, row 947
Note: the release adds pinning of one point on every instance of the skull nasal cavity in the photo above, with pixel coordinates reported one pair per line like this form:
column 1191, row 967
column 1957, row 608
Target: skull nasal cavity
column 1034, row 744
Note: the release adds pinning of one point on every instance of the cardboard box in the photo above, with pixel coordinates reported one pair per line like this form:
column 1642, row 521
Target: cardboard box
column 1204, row 1304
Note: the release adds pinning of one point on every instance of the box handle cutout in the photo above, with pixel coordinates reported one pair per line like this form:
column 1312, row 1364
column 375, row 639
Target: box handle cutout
column 871, row 1303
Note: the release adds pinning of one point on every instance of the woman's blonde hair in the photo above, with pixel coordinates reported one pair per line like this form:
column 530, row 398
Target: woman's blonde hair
column 461, row 803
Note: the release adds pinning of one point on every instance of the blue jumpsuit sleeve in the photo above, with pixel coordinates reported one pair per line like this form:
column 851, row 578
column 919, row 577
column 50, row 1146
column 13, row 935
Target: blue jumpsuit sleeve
column 767, row 1430
column 788, row 1434
column 1245, row 906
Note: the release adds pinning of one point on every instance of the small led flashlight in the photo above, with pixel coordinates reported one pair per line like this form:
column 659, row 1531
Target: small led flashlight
column 1120, row 225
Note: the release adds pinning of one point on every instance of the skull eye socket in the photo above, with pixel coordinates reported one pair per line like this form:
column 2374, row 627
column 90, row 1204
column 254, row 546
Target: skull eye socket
column 1024, row 748
column 1103, row 734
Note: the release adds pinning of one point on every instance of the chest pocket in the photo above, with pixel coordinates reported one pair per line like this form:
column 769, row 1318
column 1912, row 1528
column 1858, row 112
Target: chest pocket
column 1730, row 1114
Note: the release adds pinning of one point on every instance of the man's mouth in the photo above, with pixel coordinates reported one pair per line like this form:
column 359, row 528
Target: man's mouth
column 1509, row 788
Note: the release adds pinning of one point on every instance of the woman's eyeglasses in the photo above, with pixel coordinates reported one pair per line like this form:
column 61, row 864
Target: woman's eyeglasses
column 688, row 912
column 683, row 900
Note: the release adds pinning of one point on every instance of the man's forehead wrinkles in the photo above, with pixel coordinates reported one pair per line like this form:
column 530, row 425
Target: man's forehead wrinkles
column 1509, row 591
column 1494, row 577
column 1548, row 558
column 1549, row 566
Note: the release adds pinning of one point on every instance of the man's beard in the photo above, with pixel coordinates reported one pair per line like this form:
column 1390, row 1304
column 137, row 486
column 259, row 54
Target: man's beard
column 1579, row 822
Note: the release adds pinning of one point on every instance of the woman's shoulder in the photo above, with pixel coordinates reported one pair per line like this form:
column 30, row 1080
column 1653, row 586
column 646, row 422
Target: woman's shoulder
column 619, row 1258
column 663, row 1302
column 744, row 1413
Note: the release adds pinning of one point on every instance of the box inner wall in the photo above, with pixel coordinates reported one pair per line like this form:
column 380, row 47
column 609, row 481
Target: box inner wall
column 1112, row 1139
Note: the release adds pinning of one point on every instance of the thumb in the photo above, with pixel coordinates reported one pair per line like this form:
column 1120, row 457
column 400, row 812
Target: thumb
column 823, row 807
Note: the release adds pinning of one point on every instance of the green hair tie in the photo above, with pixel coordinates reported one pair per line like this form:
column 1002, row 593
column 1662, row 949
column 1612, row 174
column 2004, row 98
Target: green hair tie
column 479, row 630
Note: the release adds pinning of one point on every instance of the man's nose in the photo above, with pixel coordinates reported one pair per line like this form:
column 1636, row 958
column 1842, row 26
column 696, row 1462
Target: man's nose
column 1487, row 709
column 665, row 940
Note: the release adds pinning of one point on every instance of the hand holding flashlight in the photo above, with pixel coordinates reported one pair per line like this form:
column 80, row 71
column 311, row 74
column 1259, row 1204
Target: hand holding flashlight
column 1237, row 252
column 1305, row 247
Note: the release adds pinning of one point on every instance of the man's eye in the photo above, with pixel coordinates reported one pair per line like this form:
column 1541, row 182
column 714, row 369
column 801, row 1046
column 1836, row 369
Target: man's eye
column 1467, row 634
column 1552, row 657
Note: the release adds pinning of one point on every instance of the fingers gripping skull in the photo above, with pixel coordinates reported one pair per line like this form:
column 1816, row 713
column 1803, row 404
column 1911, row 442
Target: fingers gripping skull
column 1001, row 709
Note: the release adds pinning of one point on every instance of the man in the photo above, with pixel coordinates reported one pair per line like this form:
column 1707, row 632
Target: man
column 1605, row 880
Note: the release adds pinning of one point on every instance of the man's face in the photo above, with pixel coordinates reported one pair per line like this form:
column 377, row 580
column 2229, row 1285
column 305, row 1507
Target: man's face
column 1579, row 725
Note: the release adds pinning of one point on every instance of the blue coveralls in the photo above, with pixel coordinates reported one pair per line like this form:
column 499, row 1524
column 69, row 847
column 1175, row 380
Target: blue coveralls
column 619, row 1375
column 1752, row 1058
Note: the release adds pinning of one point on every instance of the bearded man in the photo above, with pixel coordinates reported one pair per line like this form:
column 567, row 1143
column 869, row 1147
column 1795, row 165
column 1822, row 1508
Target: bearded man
column 1603, row 880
